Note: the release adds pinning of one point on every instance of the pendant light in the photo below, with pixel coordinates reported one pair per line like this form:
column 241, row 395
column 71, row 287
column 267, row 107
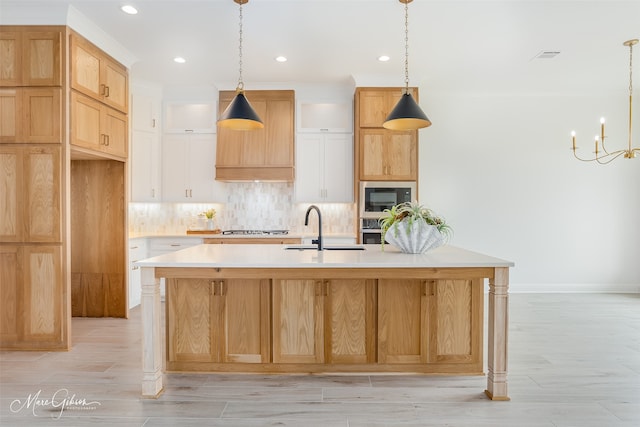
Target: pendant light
column 239, row 115
column 407, row 114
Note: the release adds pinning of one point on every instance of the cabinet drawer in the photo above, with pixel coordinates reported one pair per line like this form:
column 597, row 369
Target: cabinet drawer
column 162, row 245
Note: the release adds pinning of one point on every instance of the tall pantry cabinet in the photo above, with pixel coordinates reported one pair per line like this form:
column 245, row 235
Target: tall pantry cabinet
column 35, row 180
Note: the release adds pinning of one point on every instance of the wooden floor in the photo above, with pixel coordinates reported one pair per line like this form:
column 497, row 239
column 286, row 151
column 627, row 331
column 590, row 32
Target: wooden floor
column 574, row 361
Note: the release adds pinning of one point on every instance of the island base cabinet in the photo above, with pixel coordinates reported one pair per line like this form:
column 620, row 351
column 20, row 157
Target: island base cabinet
column 217, row 321
column 324, row 321
column 433, row 322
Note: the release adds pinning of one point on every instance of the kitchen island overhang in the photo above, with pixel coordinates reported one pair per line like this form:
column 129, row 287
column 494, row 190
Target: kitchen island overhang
column 261, row 308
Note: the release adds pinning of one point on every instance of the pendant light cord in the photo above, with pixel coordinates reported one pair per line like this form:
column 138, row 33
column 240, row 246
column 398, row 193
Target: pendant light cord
column 240, row 82
column 406, row 46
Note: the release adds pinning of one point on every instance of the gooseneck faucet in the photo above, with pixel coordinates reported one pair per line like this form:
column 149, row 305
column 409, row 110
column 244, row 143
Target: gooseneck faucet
column 306, row 222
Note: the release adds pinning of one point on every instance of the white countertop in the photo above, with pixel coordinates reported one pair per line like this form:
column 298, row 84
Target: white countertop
column 275, row 256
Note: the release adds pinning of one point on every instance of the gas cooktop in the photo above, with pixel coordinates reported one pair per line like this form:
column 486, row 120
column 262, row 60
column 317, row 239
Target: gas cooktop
column 256, row 232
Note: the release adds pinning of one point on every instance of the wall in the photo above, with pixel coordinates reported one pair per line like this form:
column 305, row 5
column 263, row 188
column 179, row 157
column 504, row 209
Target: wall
column 499, row 168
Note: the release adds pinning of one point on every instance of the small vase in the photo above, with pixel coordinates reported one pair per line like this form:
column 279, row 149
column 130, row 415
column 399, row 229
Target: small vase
column 210, row 225
column 414, row 238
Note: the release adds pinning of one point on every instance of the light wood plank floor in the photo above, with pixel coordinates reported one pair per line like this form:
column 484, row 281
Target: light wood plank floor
column 574, row 361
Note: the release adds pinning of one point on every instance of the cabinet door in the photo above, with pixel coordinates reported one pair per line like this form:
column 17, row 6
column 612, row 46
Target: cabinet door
column 30, row 183
column 402, row 321
column 189, row 320
column 455, row 321
column 114, row 129
column 145, row 167
column 85, row 122
column 349, row 321
column 145, row 111
column 42, row 115
column 372, row 154
column 200, row 170
column 11, row 188
column 298, row 333
column 175, row 187
column 42, row 194
column 10, row 110
column 113, row 77
column 85, row 67
column 41, row 58
column 242, row 326
column 373, row 108
column 401, row 156
column 338, row 168
column 310, row 161
column 11, row 320
column 10, row 58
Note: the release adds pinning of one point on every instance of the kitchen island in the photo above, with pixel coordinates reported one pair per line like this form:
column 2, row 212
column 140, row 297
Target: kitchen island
column 269, row 309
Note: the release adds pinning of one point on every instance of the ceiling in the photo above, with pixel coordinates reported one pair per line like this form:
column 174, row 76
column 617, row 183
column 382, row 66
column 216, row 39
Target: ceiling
column 454, row 45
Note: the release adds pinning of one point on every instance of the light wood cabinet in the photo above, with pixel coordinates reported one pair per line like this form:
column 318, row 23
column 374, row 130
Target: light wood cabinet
column 30, row 185
column 30, row 58
column 387, row 155
column 265, row 154
column 323, row 321
column 98, row 127
column 31, row 297
column 219, row 321
column 439, row 323
column 375, row 104
column 324, row 171
column 30, row 115
column 97, row 75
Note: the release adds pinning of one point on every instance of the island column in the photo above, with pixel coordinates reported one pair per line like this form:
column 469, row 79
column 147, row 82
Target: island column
column 498, row 328
column 152, row 385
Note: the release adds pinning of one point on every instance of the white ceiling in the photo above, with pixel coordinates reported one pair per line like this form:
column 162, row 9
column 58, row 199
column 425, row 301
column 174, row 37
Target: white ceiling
column 473, row 45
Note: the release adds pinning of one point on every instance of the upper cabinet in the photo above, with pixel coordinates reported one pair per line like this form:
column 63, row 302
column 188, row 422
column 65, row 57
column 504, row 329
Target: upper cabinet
column 375, row 105
column 145, row 154
column 324, row 117
column 266, row 154
column 192, row 117
column 383, row 154
column 97, row 75
column 30, row 58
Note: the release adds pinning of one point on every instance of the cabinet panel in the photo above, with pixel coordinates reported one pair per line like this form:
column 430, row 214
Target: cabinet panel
column 350, row 321
column 98, row 127
column 30, row 58
column 31, row 188
column 376, row 104
column 297, row 321
column 32, row 296
column 189, row 314
column 30, row 115
column 402, row 321
column 388, row 155
column 95, row 74
column 145, row 167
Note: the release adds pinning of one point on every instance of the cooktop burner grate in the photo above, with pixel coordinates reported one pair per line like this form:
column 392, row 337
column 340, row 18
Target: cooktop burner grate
column 256, row 232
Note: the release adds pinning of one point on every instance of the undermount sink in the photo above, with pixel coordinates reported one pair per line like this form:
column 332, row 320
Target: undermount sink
column 326, row 248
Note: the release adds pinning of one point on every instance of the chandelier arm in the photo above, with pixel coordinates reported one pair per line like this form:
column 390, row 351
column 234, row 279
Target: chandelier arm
column 603, row 160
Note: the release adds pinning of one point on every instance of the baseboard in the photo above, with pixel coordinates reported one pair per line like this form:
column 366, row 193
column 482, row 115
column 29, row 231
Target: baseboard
column 621, row 288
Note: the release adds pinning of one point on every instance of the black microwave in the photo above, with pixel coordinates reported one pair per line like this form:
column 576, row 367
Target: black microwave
column 376, row 196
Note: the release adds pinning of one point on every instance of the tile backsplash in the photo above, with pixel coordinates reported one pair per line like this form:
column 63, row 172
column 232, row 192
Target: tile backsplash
column 250, row 206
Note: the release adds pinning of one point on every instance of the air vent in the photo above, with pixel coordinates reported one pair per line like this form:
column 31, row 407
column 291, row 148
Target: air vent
column 547, row 54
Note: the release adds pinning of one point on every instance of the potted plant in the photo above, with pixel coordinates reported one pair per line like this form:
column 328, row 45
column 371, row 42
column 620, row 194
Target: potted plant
column 210, row 214
column 413, row 228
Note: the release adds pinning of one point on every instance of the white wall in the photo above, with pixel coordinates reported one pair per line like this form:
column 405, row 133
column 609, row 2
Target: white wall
column 499, row 168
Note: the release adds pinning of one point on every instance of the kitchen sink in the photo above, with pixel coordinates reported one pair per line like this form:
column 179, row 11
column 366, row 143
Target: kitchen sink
column 326, row 248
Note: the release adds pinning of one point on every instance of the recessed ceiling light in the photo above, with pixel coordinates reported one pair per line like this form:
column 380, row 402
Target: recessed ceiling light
column 179, row 60
column 383, row 58
column 127, row 8
column 281, row 58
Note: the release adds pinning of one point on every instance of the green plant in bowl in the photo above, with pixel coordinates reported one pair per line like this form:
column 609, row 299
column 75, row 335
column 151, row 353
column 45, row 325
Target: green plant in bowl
column 410, row 217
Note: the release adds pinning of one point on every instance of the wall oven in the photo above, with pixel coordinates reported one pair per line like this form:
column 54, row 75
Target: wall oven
column 375, row 197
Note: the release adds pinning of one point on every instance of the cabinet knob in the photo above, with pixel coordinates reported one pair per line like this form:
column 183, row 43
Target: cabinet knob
column 106, row 91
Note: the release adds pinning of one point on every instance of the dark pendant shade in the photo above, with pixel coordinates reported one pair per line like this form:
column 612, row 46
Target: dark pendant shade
column 239, row 115
column 406, row 115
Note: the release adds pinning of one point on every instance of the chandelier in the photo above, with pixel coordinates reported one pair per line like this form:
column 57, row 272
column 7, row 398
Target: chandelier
column 602, row 155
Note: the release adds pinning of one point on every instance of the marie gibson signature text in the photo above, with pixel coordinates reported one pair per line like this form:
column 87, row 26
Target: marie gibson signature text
column 60, row 400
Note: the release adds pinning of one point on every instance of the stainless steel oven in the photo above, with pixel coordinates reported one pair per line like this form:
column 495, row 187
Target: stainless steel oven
column 375, row 197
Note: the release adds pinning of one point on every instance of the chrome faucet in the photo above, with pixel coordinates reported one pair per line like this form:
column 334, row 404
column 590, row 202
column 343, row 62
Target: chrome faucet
column 306, row 222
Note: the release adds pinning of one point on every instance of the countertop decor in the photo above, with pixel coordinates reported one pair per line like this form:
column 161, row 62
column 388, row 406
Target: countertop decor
column 413, row 228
